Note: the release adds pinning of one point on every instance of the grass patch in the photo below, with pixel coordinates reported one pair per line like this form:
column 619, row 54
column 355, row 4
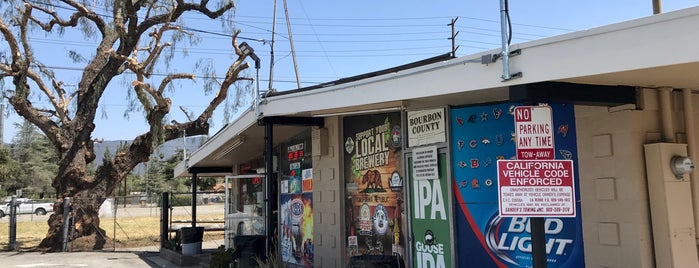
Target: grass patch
column 127, row 232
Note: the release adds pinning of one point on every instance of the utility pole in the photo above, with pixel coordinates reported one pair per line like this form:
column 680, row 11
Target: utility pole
column 453, row 37
column 2, row 124
column 657, row 7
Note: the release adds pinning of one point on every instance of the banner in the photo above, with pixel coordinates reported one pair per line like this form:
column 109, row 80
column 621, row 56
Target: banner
column 375, row 216
column 296, row 203
column 430, row 219
column 482, row 135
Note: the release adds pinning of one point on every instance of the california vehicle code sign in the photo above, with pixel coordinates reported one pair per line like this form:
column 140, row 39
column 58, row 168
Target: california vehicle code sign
column 536, row 188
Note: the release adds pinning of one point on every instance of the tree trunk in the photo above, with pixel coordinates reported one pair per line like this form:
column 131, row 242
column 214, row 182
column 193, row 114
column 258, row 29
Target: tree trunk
column 87, row 194
column 84, row 232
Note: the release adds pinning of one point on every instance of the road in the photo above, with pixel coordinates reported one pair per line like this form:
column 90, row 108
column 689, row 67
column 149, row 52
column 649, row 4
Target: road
column 133, row 212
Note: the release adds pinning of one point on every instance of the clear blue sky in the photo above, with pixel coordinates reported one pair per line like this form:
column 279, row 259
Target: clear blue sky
column 336, row 39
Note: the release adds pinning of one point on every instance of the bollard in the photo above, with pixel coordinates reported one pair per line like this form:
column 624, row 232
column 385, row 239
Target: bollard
column 66, row 224
column 164, row 227
column 13, row 223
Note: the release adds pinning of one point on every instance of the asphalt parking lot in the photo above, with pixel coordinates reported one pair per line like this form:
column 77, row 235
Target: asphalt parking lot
column 85, row 259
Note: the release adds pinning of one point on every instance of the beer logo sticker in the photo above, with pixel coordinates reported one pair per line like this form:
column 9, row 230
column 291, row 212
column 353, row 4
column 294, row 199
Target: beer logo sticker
column 365, row 223
column 429, row 237
column 380, row 219
column 396, row 138
column 395, row 182
column 296, row 208
column 349, row 145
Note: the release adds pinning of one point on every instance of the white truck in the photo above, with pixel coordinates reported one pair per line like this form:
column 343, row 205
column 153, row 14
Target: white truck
column 26, row 206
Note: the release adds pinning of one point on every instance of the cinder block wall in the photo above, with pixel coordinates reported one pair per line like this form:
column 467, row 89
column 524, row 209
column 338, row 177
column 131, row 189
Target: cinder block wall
column 328, row 215
column 615, row 206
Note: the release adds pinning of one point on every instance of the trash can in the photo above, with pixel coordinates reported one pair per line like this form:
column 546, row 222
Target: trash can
column 191, row 240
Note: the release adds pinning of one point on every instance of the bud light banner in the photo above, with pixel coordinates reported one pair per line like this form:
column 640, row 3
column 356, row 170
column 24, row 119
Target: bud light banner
column 480, row 136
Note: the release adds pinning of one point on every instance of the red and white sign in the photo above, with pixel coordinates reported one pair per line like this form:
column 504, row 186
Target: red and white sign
column 536, row 188
column 534, row 130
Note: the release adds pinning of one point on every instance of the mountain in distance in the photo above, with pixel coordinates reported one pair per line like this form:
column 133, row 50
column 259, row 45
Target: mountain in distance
column 167, row 149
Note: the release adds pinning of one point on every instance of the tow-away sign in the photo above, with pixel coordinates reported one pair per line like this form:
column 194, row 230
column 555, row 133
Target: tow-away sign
column 534, row 132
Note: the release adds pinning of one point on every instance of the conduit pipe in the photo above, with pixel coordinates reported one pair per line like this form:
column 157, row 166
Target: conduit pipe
column 665, row 95
column 690, row 132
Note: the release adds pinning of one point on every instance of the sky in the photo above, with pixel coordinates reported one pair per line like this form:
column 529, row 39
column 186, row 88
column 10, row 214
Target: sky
column 336, row 39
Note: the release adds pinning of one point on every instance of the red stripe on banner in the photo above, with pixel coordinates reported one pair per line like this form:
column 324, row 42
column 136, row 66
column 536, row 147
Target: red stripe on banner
column 472, row 223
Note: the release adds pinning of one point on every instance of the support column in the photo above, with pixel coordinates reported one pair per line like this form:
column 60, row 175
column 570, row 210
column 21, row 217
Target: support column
column 269, row 175
column 194, row 200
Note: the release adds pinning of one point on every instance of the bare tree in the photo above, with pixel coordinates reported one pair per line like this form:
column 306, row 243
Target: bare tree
column 130, row 43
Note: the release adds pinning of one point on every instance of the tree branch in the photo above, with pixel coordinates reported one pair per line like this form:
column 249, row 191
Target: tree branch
column 182, row 7
column 83, row 12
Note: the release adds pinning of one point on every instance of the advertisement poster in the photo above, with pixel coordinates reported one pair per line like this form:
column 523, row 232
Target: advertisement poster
column 480, row 136
column 296, row 205
column 296, row 245
column 375, row 216
column 430, row 218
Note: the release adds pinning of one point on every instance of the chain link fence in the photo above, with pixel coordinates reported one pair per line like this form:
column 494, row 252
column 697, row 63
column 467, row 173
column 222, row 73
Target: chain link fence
column 130, row 223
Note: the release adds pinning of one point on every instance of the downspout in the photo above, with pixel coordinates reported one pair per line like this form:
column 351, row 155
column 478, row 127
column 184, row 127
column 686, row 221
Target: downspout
column 665, row 95
column 691, row 151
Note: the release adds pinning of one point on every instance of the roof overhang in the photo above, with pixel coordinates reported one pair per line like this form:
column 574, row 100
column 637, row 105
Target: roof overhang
column 651, row 52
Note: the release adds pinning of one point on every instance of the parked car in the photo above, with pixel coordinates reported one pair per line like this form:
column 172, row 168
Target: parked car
column 27, row 206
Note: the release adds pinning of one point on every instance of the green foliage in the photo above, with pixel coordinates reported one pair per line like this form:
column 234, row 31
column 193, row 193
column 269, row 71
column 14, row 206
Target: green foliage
column 222, row 258
column 10, row 172
column 33, row 163
column 180, row 200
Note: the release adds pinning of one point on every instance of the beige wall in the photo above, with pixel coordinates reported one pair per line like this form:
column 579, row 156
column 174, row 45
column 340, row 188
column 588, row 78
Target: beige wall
column 615, row 213
column 615, row 205
column 328, row 214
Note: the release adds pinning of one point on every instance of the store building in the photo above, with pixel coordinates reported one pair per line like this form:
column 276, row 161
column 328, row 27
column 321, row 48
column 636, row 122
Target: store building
column 405, row 161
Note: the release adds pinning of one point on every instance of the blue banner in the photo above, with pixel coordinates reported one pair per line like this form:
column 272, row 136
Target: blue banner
column 480, row 136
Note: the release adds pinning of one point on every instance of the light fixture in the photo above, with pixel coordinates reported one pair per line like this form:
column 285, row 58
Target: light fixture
column 248, row 51
column 232, row 146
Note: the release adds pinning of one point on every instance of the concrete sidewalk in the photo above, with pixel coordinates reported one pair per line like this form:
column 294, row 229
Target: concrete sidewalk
column 85, row 259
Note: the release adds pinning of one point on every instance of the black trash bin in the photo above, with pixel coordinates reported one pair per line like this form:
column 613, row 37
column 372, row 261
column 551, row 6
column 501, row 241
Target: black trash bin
column 191, row 240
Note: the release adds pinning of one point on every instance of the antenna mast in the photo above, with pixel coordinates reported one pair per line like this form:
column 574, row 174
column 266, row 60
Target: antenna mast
column 271, row 46
column 291, row 42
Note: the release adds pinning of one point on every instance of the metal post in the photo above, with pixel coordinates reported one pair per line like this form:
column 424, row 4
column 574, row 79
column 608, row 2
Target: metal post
column 66, row 223
column 164, row 228
column 194, row 200
column 13, row 223
column 504, row 32
column 657, row 7
column 226, row 211
column 538, row 242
